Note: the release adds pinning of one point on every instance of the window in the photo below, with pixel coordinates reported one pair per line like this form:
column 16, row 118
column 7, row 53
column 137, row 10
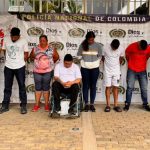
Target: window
column 141, row 7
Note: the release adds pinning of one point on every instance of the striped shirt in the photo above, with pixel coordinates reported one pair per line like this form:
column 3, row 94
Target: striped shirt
column 91, row 58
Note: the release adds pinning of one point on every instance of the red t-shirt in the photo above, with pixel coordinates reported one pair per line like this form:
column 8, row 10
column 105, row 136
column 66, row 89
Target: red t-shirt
column 137, row 59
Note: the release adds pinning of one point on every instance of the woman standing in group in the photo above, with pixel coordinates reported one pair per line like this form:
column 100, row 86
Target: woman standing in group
column 44, row 57
column 91, row 53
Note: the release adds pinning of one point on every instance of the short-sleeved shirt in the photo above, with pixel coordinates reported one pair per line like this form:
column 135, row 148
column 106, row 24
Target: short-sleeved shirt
column 15, row 52
column 137, row 59
column 91, row 58
column 67, row 74
column 112, row 60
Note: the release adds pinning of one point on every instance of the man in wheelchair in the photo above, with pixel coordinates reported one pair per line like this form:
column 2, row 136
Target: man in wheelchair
column 67, row 77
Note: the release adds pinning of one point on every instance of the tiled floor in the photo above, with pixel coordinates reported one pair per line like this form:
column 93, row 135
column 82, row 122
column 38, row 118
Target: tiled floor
column 37, row 131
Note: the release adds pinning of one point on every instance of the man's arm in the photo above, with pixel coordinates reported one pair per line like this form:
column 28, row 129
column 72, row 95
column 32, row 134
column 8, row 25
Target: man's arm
column 121, row 59
column 127, row 53
column 103, row 53
column 58, row 80
column 121, row 55
column 26, row 56
column 77, row 77
column 26, row 51
column 3, row 48
column 55, row 55
column 32, row 55
column 103, row 59
column 148, row 54
column 3, row 51
column 70, row 83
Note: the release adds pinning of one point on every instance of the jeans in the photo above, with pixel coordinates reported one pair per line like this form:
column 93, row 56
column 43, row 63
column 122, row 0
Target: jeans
column 142, row 79
column 8, row 82
column 58, row 89
column 89, row 80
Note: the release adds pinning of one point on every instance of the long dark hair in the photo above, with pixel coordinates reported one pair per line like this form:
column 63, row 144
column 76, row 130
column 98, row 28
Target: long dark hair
column 85, row 43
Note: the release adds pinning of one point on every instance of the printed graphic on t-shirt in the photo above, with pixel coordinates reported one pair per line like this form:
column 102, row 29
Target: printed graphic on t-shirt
column 12, row 50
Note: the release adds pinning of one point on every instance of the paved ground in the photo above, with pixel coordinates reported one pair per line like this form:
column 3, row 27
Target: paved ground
column 112, row 131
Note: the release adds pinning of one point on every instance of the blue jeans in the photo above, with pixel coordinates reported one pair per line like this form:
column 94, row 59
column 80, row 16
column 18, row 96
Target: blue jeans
column 89, row 80
column 142, row 79
column 9, row 77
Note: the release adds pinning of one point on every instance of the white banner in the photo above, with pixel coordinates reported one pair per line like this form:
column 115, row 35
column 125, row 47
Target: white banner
column 67, row 36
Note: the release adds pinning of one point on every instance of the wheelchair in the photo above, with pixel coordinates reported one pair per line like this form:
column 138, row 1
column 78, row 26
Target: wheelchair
column 65, row 100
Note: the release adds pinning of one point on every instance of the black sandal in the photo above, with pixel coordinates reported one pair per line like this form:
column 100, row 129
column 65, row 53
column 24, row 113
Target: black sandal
column 117, row 109
column 107, row 109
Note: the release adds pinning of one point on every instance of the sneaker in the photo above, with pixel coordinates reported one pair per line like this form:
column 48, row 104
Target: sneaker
column 47, row 108
column 35, row 108
column 3, row 109
column 92, row 108
column 23, row 110
column 146, row 107
column 86, row 108
column 126, row 108
column 55, row 114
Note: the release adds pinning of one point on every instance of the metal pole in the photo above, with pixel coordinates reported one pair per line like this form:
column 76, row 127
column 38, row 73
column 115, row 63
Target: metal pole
column 121, row 6
column 128, row 7
column 40, row 4
column 76, row 5
column 149, row 6
column 61, row 6
column 91, row 6
column 140, row 3
column 33, row 5
column 134, row 7
column 83, row 6
column 106, row 6
column 4, row 6
column 47, row 3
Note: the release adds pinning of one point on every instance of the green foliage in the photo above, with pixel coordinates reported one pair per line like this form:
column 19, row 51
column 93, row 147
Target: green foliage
column 56, row 6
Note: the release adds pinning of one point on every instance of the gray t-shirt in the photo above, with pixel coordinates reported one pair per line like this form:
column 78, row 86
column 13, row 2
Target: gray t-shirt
column 91, row 58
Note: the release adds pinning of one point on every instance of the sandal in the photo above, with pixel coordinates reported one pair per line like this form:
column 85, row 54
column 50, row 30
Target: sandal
column 107, row 109
column 117, row 109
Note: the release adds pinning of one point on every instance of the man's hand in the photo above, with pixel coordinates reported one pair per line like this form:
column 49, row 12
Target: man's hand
column 68, row 84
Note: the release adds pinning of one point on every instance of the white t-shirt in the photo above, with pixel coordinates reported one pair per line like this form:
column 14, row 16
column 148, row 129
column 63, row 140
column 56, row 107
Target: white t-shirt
column 112, row 62
column 67, row 74
column 15, row 52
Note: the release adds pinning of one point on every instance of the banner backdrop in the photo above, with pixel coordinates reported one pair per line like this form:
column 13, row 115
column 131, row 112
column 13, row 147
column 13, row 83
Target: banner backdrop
column 66, row 36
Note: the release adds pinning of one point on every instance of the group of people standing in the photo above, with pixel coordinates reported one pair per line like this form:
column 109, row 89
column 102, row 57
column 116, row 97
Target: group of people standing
column 67, row 75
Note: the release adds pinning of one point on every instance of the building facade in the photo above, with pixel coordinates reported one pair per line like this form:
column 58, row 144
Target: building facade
column 77, row 6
